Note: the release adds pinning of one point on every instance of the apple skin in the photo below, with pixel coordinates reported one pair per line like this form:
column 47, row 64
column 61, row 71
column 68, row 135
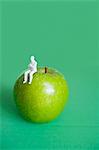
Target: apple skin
column 44, row 99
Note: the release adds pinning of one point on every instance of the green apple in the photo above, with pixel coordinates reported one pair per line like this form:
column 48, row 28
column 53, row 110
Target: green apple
column 43, row 99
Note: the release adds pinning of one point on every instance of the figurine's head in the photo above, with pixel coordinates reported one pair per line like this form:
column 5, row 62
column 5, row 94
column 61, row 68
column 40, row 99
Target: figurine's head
column 32, row 58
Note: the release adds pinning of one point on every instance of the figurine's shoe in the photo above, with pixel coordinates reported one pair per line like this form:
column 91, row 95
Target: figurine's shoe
column 24, row 82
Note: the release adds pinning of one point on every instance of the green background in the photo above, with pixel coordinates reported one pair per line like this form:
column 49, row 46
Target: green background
column 64, row 35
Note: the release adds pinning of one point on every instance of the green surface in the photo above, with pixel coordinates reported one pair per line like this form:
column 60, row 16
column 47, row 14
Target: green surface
column 63, row 35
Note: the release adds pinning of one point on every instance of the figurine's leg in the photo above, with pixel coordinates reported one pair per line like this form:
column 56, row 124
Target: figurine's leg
column 26, row 76
column 30, row 77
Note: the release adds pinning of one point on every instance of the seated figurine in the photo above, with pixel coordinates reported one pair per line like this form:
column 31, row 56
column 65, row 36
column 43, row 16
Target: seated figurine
column 32, row 68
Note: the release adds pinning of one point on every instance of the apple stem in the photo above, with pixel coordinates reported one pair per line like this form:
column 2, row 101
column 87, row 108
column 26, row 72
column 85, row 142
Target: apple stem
column 46, row 69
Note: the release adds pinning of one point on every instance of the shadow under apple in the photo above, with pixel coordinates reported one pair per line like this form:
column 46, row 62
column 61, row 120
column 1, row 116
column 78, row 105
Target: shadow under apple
column 8, row 108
